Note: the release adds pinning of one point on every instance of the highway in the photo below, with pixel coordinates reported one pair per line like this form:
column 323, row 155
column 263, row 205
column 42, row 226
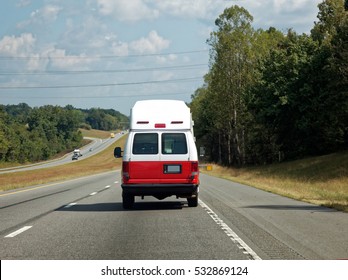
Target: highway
column 84, row 219
column 96, row 146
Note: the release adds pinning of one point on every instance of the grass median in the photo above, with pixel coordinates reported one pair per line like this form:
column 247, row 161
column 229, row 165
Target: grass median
column 319, row 180
column 101, row 162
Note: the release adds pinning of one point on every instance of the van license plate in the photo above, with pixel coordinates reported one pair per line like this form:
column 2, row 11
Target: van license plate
column 172, row 169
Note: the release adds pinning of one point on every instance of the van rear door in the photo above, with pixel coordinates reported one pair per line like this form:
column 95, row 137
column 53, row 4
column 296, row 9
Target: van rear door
column 144, row 165
column 175, row 154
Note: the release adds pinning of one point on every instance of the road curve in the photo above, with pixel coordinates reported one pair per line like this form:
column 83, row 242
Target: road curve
column 96, row 146
column 84, row 219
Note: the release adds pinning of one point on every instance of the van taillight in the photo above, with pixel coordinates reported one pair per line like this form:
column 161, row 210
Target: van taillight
column 194, row 166
column 125, row 170
column 194, row 169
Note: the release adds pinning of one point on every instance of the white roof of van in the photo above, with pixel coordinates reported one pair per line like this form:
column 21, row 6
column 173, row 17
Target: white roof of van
column 160, row 114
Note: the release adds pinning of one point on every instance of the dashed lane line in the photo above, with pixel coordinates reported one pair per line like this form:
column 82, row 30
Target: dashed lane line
column 15, row 233
column 21, row 230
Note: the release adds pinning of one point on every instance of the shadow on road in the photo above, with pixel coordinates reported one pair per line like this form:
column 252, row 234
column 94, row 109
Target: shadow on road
column 117, row 207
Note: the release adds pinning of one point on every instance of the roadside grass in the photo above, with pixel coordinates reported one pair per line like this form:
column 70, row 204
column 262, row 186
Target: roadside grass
column 94, row 133
column 319, row 180
column 101, row 162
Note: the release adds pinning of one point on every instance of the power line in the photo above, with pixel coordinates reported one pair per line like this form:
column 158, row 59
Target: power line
column 102, row 85
column 100, row 57
column 100, row 96
column 73, row 72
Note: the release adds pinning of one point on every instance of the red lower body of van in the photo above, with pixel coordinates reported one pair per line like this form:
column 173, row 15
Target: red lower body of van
column 153, row 172
column 160, row 177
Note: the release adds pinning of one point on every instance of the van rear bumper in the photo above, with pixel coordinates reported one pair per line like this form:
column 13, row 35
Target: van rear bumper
column 160, row 189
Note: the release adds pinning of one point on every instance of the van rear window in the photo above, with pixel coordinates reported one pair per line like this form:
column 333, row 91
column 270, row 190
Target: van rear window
column 145, row 144
column 174, row 143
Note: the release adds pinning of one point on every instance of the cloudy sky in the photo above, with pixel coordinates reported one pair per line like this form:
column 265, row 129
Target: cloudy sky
column 110, row 53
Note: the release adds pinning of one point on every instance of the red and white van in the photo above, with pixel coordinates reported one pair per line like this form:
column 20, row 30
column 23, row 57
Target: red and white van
column 160, row 156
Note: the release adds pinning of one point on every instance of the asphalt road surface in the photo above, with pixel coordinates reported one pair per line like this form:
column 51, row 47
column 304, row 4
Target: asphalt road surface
column 84, row 219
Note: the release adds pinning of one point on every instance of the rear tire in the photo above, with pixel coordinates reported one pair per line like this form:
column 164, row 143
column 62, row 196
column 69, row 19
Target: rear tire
column 192, row 201
column 127, row 201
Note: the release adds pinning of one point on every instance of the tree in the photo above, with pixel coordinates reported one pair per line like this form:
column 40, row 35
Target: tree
column 232, row 62
column 283, row 99
column 332, row 14
column 270, row 96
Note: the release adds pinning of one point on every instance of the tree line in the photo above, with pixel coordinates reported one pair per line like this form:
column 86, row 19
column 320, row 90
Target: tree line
column 272, row 96
column 33, row 134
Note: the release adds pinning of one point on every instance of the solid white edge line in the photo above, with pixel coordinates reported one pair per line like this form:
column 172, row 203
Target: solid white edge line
column 13, row 234
column 229, row 232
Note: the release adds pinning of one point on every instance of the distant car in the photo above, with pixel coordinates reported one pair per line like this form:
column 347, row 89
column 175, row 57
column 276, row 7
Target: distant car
column 75, row 157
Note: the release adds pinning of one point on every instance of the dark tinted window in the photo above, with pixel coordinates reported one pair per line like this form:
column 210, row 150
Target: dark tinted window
column 174, row 143
column 145, row 144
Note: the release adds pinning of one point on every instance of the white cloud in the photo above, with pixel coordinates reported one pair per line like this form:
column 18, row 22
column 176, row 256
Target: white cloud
column 17, row 46
column 127, row 10
column 290, row 6
column 35, row 59
column 202, row 9
column 120, row 48
column 167, row 58
column 59, row 59
column 23, row 3
column 283, row 14
column 153, row 43
column 46, row 14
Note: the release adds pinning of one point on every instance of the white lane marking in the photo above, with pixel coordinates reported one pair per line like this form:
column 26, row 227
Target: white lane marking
column 229, row 232
column 93, row 193
column 13, row 234
column 107, row 187
column 116, row 182
column 69, row 205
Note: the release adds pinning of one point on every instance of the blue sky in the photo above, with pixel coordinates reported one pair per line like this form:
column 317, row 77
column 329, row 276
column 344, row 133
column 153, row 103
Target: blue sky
column 111, row 53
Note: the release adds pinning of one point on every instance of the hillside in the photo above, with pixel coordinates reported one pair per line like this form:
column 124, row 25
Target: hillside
column 320, row 180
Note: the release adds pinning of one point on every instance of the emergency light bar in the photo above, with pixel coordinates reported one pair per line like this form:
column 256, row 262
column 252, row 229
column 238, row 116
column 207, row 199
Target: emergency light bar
column 160, row 125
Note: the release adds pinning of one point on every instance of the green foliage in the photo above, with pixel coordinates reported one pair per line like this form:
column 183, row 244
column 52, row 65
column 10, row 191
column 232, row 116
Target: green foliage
column 33, row 134
column 41, row 134
column 271, row 96
column 103, row 119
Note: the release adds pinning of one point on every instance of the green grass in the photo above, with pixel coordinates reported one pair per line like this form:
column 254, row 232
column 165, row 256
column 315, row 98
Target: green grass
column 320, row 180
